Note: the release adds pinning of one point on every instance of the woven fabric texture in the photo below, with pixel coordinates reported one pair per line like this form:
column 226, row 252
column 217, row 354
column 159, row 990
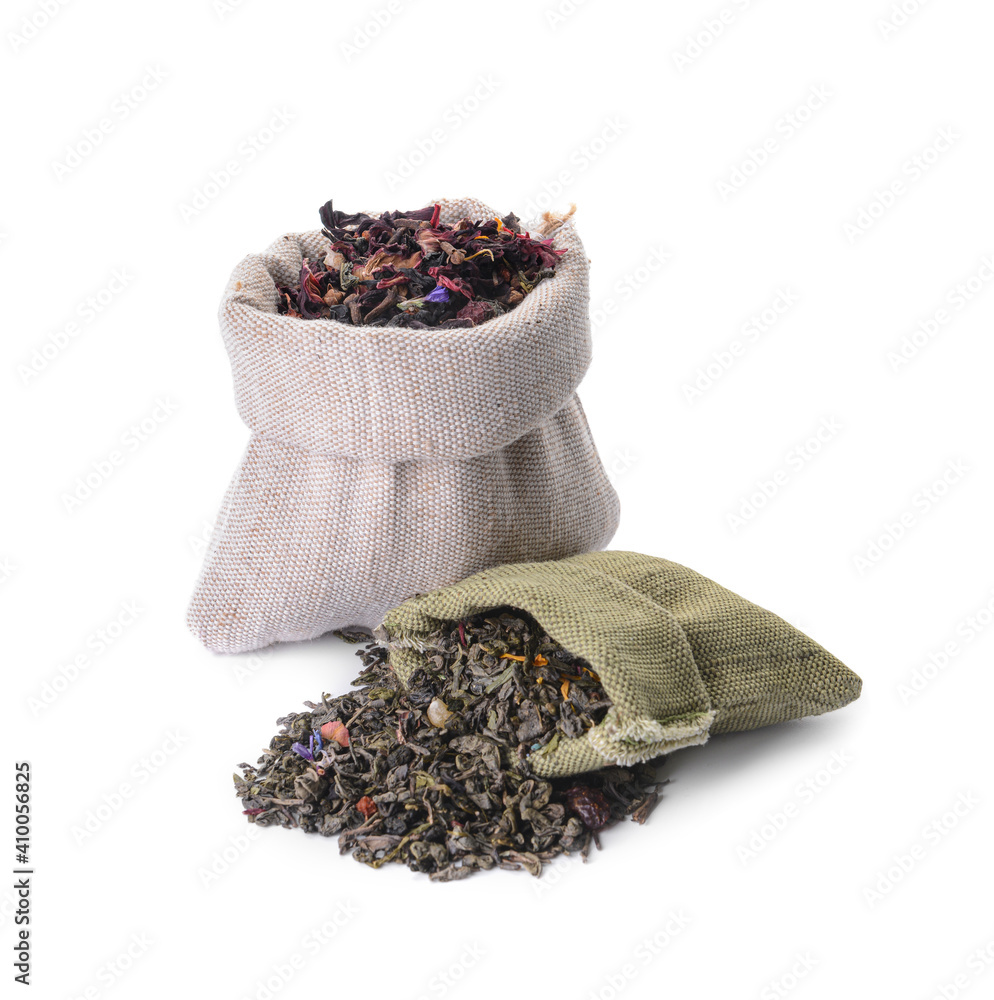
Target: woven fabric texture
column 680, row 656
column 386, row 462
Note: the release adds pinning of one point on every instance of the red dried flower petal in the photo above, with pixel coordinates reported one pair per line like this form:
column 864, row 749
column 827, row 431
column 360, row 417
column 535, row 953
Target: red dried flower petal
column 336, row 731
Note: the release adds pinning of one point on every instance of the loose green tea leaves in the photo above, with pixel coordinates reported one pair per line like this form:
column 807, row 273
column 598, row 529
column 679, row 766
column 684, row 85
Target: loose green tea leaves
column 405, row 269
column 434, row 775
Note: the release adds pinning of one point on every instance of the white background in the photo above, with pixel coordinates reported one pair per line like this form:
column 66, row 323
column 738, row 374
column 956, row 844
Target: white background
column 774, row 882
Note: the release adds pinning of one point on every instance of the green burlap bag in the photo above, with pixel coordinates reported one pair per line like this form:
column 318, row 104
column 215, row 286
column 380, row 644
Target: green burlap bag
column 680, row 657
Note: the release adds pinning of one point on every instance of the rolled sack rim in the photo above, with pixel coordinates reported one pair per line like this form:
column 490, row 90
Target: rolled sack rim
column 326, row 331
column 532, row 360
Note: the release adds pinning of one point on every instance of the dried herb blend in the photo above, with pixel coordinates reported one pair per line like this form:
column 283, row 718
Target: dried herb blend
column 434, row 775
column 405, row 269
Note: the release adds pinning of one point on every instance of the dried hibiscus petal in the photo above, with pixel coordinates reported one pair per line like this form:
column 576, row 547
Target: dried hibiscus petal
column 441, row 273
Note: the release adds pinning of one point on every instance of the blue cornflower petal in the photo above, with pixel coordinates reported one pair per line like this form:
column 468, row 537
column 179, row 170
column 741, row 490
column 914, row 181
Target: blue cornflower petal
column 438, row 294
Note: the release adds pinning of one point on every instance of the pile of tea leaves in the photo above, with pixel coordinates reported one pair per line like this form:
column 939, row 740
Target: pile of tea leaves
column 405, row 269
column 434, row 774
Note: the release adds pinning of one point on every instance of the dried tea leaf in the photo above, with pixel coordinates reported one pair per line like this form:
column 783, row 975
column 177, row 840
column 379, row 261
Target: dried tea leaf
column 454, row 798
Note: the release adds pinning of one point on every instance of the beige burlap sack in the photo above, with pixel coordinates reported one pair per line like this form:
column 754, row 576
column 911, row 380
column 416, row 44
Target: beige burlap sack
column 386, row 462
